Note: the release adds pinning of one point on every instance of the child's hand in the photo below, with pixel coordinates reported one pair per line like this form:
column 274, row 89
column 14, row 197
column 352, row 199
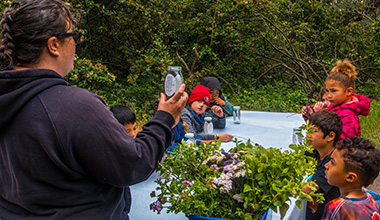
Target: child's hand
column 226, row 137
column 318, row 106
column 354, row 99
column 217, row 110
column 305, row 112
column 218, row 101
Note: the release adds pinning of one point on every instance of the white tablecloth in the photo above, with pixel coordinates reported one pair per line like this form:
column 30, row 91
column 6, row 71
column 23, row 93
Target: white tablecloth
column 265, row 128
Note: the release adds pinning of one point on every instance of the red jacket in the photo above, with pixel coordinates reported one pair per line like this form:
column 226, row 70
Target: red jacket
column 349, row 113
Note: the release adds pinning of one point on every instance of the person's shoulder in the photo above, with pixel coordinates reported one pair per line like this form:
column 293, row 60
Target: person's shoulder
column 185, row 111
column 74, row 94
column 314, row 154
column 69, row 97
column 335, row 203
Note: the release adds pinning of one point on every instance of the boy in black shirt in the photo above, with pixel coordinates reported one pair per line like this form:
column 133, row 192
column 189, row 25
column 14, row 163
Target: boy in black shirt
column 327, row 130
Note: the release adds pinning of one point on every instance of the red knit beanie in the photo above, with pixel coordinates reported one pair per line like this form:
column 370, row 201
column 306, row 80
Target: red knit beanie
column 200, row 93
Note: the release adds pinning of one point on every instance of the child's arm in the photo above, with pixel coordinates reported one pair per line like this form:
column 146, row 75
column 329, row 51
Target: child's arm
column 228, row 108
column 219, row 101
column 222, row 137
column 217, row 121
column 218, row 111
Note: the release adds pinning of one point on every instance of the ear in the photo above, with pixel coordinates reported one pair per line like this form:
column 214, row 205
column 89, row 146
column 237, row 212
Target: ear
column 349, row 91
column 53, row 45
column 331, row 136
column 351, row 177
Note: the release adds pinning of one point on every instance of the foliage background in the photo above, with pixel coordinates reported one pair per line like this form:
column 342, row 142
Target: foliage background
column 269, row 55
column 279, row 48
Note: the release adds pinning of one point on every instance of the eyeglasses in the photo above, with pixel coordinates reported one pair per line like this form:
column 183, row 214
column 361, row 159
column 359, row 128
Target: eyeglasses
column 77, row 35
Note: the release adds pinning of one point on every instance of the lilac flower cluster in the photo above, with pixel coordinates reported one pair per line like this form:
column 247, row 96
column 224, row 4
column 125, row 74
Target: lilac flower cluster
column 237, row 198
column 232, row 168
column 186, row 182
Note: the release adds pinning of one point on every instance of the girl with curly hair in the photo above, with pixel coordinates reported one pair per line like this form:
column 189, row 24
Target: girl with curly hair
column 340, row 86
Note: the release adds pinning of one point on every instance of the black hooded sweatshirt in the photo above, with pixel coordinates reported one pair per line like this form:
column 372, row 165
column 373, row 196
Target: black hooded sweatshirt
column 64, row 155
column 213, row 84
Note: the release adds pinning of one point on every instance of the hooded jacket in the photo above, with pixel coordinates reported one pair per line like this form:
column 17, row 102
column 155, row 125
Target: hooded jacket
column 196, row 126
column 349, row 113
column 64, row 155
column 213, row 84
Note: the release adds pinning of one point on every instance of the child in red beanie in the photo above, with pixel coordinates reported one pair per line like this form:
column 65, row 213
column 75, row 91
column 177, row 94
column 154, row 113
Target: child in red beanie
column 199, row 101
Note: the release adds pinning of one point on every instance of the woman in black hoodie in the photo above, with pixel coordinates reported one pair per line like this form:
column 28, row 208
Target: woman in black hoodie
column 63, row 154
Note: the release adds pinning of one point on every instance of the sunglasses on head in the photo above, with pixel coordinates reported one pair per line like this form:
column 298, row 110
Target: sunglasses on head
column 77, row 35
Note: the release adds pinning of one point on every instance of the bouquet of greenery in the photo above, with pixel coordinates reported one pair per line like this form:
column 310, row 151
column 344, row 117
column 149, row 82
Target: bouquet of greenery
column 243, row 183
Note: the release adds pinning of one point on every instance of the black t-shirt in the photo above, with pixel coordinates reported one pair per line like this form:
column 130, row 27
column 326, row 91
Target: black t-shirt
column 329, row 192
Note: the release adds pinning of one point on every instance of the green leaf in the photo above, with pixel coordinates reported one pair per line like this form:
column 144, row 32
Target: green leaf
column 247, row 188
column 299, row 203
column 283, row 210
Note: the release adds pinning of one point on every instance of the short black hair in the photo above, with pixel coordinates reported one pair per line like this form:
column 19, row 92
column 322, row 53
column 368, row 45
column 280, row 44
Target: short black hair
column 327, row 121
column 360, row 156
column 123, row 114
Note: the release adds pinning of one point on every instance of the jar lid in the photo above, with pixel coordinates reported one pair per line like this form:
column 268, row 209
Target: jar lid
column 189, row 135
column 236, row 107
column 208, row 119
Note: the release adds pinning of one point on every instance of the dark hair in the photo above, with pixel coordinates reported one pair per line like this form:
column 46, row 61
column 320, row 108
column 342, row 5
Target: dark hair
column 360, row 156
column 322, row 92
column 344, row 73
column 155, row 107
column 123, row 114
column 26, row 26
column 327, row 121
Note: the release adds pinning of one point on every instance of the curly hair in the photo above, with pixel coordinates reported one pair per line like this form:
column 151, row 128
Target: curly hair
column 344, row 73
column 360, row 156
column 26, row 26
column 327, row 121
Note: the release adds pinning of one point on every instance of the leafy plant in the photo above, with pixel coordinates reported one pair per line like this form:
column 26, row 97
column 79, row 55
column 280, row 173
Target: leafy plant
column 243, row 183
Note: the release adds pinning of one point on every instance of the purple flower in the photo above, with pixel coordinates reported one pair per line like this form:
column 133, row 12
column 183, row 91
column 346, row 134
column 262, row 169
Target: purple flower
column 156, row 206
column 214, row 166
column 236, row 162
column 227, row 162
column 186, row 182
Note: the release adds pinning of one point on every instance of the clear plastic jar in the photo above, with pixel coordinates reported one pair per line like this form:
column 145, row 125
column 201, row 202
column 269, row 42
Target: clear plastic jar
column 173, row 80
column 208, row 127
column 236, row 115
column 190, row 138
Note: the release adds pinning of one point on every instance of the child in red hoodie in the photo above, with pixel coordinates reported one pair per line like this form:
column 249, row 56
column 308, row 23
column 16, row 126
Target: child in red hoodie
column 340, row 86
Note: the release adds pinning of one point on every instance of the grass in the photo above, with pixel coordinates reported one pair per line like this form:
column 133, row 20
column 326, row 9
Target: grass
column 370, row 124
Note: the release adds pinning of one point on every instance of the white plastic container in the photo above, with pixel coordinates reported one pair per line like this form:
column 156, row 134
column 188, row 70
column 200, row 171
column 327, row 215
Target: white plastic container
column 208, row 127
